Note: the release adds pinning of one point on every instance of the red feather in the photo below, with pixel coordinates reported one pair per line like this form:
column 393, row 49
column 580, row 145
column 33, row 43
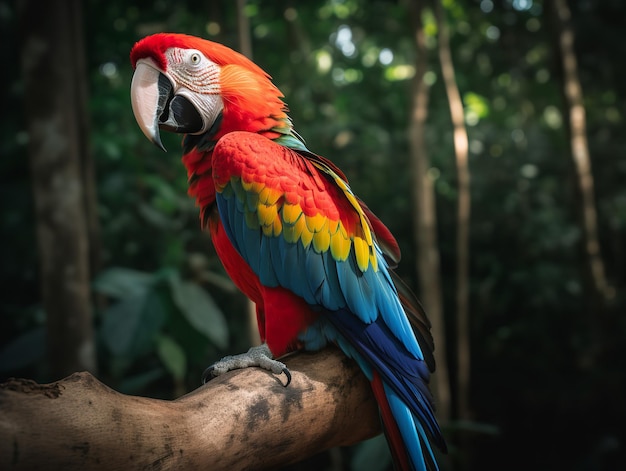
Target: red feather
column 394, row 438
column 265, row 162
column 155, row 46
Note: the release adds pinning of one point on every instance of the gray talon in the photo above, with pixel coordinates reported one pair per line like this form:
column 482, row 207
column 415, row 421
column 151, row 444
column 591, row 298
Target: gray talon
column 260, row 356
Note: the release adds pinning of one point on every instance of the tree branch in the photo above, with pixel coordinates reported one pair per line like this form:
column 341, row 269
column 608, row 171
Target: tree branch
column 245, row 419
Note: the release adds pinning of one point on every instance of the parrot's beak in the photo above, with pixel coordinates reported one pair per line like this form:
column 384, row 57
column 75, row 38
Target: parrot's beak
column 156, row 105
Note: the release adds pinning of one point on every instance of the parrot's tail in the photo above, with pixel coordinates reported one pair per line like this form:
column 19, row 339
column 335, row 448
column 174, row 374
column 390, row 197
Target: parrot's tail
column 399, row 381
column 408, row 443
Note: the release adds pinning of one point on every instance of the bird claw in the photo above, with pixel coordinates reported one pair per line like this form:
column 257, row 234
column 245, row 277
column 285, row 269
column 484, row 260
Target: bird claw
column 260, row 356
column 208, row 375
column 288, row 375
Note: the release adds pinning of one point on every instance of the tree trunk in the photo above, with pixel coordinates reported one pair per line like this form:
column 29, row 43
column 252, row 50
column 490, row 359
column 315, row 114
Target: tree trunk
column 88, row 167
column 428, row 263
column 462, row 216
column 245, row 419
column 51, row 92
column 576, row 122
column 243, row 30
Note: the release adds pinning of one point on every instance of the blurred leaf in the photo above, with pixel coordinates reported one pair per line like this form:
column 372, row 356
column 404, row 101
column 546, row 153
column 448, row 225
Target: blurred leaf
column 23, row 351
column 160, row 185
column 128, row 326
column 222, row 282
column 119, row 282
column 173, row 356
column 120, row 323
column 200, row 310
column 155, row 217
column 169, row 198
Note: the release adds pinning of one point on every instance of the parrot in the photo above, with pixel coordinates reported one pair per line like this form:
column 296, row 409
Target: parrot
column 289, row 232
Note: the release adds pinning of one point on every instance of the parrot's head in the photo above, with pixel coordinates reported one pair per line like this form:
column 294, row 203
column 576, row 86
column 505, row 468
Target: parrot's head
column 189, row 85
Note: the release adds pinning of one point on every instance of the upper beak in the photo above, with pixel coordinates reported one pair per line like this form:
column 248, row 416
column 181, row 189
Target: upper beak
column 156, row 105
column 148, row 99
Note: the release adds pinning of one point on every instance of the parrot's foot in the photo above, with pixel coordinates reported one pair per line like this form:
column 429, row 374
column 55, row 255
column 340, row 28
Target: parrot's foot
column 260, row 356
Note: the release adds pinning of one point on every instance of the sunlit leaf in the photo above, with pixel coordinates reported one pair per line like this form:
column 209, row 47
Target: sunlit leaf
column 476, row 104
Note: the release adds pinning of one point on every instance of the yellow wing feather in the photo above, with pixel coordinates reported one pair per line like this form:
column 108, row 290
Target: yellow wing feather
column 276, row 214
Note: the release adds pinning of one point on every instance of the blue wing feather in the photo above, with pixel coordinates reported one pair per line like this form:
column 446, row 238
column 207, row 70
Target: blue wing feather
column 294, row 257
column 276, row 247
column 332, row 299
column 266, row 271
column 228, row 218
column 314, row 268
column 355, row 291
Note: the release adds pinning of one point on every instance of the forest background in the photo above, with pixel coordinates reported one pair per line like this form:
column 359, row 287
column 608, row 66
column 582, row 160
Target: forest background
column 487, row 135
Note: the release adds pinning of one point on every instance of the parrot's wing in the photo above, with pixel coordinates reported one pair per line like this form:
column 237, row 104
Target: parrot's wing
column 391, row 251
column 296, row 223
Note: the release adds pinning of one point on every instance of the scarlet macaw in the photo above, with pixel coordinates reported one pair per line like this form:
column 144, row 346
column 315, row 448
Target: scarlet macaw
column 289, row 231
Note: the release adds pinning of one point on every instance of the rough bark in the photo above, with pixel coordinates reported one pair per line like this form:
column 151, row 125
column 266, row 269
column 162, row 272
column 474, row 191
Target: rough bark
column 51, row 94
column 428, row 260
column 461, row 148
column 245, row 419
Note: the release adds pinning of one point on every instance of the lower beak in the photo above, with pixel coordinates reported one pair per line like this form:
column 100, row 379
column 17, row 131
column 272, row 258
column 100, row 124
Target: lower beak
column 156, row 106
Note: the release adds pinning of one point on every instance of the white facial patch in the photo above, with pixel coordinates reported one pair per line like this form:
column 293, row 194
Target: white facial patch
column 196, row 78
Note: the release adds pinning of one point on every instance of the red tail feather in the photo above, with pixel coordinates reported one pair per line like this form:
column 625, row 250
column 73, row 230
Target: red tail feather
column 396, row 444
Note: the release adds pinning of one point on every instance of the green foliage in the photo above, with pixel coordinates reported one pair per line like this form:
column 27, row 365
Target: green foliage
column 200, row 310
column 173, row 356
column 157, row 313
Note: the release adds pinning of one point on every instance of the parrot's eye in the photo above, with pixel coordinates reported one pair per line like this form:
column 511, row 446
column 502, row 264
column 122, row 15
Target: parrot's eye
column 195, row 58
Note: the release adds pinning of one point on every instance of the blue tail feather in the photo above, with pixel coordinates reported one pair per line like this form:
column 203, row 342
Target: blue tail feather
column 413, row 434
column 404, row 376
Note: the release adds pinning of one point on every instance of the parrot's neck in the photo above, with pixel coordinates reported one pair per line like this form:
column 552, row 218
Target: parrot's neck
column 288, row 137
column 282, row 132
